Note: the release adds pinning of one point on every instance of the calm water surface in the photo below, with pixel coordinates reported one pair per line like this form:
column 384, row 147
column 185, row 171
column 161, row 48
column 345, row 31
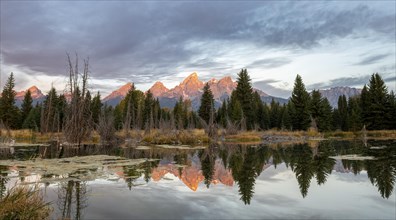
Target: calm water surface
column 227, row 181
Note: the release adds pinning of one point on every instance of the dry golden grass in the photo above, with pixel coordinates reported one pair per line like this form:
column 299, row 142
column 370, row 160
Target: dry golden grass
column 245, row 136
column 23, row 202
column 195, row 136
column 391, row 134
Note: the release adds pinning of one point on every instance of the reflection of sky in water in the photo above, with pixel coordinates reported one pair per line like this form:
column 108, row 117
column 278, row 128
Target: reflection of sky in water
column 276, row 195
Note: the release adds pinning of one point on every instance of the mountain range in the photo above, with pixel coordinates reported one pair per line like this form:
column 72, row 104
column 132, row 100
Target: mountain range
column 333, row 94
column 37, row 96
column 192, row 88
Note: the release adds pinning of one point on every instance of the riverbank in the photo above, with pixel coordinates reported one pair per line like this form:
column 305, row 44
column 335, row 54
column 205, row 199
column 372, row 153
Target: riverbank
column 198, row 136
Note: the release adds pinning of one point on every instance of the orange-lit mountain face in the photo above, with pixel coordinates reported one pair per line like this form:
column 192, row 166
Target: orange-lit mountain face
column 158, row 89
column 119, row 93
column 192, row 175
column 34, row 91
column 190, row 88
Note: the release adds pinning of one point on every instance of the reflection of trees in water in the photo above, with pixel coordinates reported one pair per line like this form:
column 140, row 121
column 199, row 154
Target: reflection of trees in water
column 72, row 199
column 246, row 165
column 382, row 170
column 3, row 180
column 305, row 161
column 207, row 158
column 132, row 173
column 302, row 165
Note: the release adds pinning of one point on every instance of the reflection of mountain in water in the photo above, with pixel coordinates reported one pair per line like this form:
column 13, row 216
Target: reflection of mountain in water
column 239, row 166
column 192, row 175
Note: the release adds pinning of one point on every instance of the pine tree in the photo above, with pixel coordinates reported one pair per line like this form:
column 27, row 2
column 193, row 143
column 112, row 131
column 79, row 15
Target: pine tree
column 26, row 106
column 364, row 104
column 343, row 111
column 316, row 105
column 207, row 104
column 261, row 112
column 178, row 114
column 50, row 117
column 32, row 120
column 96, row 106
column 9, row 112
column 286, row 122
column 300, row 100
column 222, row 114
column 275, row 114
column 235, row 111
column 148, row 119
column 377, row 94
column 354, row 114
column 392, row 101
column 244, row 94
column 326, row 120
column 321, row 111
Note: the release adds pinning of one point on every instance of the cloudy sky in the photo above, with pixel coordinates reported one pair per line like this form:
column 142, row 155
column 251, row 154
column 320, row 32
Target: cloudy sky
column 338, row 43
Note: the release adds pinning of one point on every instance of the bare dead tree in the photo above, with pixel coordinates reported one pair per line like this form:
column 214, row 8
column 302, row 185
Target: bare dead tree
column 105, row 127
column 232, row 128
column 127, row 122
column 78, row 119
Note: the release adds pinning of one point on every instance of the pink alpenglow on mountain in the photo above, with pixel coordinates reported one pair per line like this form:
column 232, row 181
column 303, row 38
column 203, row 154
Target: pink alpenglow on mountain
column 119, row 93
column 34, row 91
column 190, row 88
column 158, row 89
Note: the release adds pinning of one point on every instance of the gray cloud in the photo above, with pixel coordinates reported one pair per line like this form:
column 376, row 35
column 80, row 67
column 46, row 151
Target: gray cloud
column 372, row 59
column 270, row 63
column 349, row 81
column 343, row 81
column 136, row 41
column 265, row 85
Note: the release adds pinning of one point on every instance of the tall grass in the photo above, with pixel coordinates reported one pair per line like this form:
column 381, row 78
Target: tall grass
column 23, row 202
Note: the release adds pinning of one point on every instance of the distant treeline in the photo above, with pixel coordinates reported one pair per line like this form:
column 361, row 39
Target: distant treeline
column 374, row 109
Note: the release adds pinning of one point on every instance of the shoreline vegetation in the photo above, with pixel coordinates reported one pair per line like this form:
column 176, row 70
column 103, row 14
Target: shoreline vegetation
column 198, row 136
column 77, row 117
column 24, row 202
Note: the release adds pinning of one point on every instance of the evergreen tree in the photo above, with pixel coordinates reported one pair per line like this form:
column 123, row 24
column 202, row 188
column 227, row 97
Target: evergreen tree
column 96, row 106
column 9, row 113
column 26, row 106
column 275, row 114
column 222, row 114
column 392, row 102
column 336, row 125
column 364, row 103
column 32, row 120
column 326, row 119
column 286, row 122
column 343, row 112
column 321, row 111
column 300, row 100
column 148, row 119
column 50, row 115
column 207, row 104
column 316, row 105
column 376, row 109
column 235, row 111
column 354, row 114
column 262, row 115
column 265, row 121
column 118, row 118
column 178, row 114
column 244, row 94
